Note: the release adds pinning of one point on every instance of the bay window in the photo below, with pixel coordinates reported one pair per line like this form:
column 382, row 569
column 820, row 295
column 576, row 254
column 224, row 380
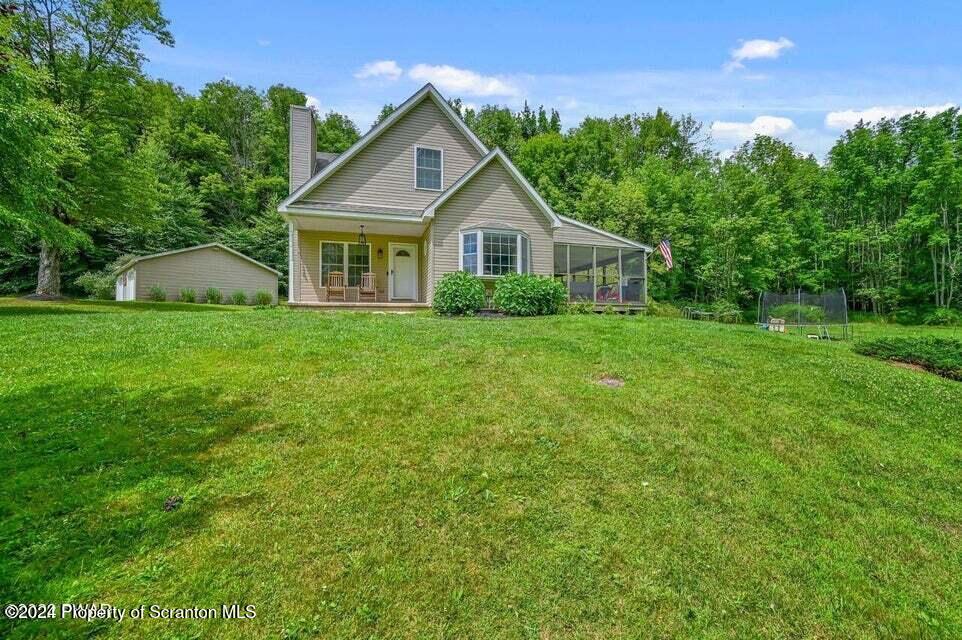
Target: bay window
column 495, row 252
column 350, row 258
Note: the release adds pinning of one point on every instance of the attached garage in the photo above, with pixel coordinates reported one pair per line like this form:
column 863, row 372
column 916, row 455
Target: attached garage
column 199, row 268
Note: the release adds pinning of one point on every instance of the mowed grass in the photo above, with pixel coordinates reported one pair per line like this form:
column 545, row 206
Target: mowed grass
column 392, row 476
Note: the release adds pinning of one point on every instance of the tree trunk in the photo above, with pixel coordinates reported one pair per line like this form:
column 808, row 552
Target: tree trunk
column 48, row 276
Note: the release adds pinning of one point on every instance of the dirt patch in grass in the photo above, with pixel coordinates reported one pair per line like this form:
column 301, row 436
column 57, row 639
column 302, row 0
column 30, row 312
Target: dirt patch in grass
column 909, row 365
column 611, row 381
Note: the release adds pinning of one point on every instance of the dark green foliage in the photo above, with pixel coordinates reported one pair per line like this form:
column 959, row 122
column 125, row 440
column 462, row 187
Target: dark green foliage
column 263, row 298
column 519, row 294
column 458, row 294
column 188, row 295
column 238, row 298
column 157, row 294
column 213, row 295
column 939, row 355
column 100, row 286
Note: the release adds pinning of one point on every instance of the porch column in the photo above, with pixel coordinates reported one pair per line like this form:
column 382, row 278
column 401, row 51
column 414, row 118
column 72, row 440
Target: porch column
column 293, row 262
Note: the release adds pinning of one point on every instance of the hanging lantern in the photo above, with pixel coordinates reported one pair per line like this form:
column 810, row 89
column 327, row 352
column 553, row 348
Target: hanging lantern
column 361, row 238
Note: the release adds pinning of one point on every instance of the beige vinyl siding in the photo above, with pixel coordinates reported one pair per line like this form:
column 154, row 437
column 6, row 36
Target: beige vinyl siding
column 308, row 263
column 491, row 196
column 200, row 269
column 382, row 174
column 302, row 145
column 569, row 233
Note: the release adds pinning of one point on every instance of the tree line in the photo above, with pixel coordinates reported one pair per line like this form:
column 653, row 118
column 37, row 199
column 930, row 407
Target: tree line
column 100, row 161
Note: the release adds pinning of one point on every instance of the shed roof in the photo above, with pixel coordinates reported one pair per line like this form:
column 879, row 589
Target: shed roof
column 209, row 245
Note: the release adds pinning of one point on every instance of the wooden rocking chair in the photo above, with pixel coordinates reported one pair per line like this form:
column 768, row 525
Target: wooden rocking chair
column 367, row 292
column 335, row 285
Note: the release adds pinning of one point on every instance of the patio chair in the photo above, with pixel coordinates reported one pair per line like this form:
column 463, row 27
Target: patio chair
column 335, row 285
column 367, row 292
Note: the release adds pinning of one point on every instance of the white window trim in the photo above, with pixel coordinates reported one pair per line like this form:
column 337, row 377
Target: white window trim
column 416, row 187
column 479, row 244
column 320, row 261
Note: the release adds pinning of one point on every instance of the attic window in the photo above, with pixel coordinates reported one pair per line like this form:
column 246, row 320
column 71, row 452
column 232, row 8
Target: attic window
column 428, row 168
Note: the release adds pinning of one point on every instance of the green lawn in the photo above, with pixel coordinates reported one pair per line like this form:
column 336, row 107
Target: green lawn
column 406, row 476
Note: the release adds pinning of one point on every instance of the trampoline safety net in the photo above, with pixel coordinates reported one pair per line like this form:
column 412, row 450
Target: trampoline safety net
column 821, row 313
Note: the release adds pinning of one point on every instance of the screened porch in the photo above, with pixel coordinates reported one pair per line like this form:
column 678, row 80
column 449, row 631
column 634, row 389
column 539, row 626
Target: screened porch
column 603, row 275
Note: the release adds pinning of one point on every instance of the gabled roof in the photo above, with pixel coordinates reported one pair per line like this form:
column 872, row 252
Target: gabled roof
column 209, row 245
column 427, row 92
column 613, row 236
column 499, row 156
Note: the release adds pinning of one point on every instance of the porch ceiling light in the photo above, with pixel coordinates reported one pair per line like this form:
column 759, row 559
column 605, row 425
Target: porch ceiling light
column 361, row 238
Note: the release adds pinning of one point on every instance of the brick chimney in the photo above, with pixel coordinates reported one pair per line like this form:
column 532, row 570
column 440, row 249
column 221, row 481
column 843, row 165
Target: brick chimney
column 303, row 146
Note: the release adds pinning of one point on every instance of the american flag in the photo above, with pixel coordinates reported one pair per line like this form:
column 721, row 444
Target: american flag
column 665, row 248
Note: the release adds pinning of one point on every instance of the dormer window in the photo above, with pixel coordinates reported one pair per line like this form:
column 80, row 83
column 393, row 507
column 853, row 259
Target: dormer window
column 428, row 168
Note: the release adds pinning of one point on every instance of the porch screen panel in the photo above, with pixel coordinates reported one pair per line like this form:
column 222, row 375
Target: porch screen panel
column 633, row 275
column 332, row 259
column 561, row 264
column 582, row 282
column 358, row 262
column 607, row 276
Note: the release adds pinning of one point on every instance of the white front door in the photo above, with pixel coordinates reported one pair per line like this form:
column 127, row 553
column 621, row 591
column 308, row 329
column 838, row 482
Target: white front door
column 403, row 267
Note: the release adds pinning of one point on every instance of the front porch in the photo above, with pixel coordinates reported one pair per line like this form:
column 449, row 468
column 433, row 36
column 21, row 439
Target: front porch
column 394, row 252
column 386, row 307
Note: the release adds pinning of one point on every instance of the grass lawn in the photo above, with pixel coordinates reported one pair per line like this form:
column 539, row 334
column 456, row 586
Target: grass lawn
column 392, row 476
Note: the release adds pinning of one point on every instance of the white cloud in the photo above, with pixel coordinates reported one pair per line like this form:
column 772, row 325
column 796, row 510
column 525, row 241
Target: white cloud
column 755, row 50
column 263, row 42
column 850, row 117
column 387, row 69
column 314, row 103
column 462, row 81
column 761, row 126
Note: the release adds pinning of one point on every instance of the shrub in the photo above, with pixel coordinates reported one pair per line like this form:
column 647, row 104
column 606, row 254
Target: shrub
column 939, row 355
column 582, row 307
column 943, row 317
column 238, row 297
column 158, row 294
column 188, row 295
column 213, row 295
column 804, row 313
column 663, row 309
column 520, row 294
column 458, row 294
column 727, row 311
column 100, row 285
column 263, row 298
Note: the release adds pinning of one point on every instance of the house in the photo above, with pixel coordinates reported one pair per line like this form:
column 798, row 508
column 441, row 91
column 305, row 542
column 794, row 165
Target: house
column 199, row 268
column 420, row 196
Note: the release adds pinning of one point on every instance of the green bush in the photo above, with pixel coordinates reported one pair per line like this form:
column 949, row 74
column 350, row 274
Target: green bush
column 792, row 311
column 582, row 307
column 939, row 355
column 188, row 295
column 459, row 294
column 263, row 298
column 943, row 317
column 158, row 294
column 726, row 311
column 100, row 285
column 522, row 294
column 238, row 298
column 213, row 295
column 663, row 309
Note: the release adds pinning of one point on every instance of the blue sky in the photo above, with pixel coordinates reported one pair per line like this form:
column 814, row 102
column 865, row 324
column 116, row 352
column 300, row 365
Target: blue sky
column 801, row 71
